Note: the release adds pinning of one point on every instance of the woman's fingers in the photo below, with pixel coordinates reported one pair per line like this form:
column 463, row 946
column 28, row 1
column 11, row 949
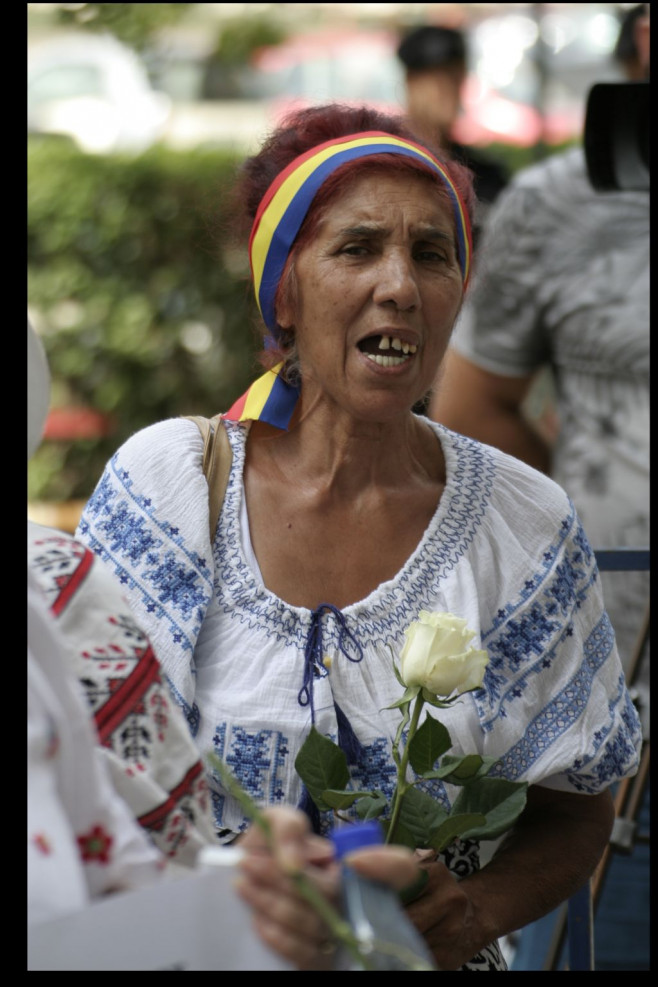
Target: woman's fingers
column 393, row 865
column 279, row 901
column 282, row 915
column 290, row 836
column 302, row 953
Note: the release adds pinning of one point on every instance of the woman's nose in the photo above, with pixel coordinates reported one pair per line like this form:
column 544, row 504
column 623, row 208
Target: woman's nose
column 396, row 283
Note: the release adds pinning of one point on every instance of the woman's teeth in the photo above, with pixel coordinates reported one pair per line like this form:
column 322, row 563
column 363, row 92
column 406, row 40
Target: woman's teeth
column 392, row 343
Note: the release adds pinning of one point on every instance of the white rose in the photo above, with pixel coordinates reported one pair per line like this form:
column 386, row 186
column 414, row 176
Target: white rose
column 435, row 655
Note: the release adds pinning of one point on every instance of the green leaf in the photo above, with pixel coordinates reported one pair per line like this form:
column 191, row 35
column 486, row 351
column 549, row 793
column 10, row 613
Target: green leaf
column 402, row 836
column 430, row 741
column 433, row 700
column 453, row 827
column 406, row 716
column 462, row 770
column 409, row 695
column 372, row 807
column 499, row 800
column 419, row 815
column 409, row 894
column 398, row 675
column 341, row 798
column 321, row 765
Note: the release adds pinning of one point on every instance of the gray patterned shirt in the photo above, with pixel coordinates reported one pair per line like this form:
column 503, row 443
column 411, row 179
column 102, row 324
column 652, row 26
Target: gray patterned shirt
column 563, row 280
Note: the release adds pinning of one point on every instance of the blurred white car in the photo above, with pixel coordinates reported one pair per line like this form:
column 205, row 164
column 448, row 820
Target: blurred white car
column 96, row 91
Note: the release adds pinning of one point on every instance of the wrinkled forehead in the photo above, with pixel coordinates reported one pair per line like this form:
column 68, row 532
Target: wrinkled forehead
column 375, row 195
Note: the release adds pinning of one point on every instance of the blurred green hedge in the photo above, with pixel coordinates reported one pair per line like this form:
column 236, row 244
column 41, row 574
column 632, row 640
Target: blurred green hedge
column 144, row 309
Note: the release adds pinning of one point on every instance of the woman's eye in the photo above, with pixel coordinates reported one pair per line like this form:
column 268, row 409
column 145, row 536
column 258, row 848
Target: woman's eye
column 432, row 254
column 355, row 249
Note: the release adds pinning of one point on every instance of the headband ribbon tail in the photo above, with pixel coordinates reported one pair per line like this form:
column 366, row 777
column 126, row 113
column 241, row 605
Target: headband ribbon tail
column 269, row 399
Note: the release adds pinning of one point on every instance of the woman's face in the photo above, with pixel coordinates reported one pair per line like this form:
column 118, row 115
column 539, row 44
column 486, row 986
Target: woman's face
column 378, row 290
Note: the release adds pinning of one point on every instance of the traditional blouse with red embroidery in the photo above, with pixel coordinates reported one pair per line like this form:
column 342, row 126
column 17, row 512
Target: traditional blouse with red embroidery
column 144, row 738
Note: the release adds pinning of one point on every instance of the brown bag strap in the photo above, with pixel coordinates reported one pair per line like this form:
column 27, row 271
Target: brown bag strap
column 217, row 456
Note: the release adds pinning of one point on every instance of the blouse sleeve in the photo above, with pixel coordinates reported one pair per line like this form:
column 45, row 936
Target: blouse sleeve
column 82, row 839
column 148, row 520
column 501, row 326
column 143, row 736
column 555, row 708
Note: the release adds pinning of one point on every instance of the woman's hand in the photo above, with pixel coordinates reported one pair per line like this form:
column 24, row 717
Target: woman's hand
column 282, row 916
column 549, row 854
column 444, row 914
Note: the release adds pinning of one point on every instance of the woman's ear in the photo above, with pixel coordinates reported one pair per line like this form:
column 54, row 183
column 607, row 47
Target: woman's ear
column 284, row 317
column 286, row 297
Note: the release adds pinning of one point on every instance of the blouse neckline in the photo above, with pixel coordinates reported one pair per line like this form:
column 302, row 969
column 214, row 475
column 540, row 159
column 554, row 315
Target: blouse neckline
column 450, row 530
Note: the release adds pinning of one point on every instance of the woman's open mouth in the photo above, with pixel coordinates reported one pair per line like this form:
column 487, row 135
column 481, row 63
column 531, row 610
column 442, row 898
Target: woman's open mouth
column 387, row 351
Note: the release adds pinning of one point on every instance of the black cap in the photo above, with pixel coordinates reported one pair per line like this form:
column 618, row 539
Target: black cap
column 430, row 47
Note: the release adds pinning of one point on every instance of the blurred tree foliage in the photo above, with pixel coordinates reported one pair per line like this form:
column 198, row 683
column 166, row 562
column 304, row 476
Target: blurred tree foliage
column 143, row 305
column 227, row 73
column 133, row 23
column 240, row 37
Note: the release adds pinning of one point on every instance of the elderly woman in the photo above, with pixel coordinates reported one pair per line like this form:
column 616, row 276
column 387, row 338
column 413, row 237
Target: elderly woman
column 345, row 515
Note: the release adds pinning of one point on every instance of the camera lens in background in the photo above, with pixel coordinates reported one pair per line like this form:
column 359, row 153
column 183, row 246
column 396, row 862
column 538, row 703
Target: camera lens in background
column 617, row 136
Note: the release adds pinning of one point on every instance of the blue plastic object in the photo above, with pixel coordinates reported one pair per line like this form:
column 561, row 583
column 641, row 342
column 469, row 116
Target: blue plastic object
column 356, row 836
column 389, row 940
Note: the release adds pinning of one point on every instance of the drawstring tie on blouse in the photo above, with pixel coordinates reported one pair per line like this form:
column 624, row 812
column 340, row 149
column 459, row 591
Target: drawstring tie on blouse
column 314, row 667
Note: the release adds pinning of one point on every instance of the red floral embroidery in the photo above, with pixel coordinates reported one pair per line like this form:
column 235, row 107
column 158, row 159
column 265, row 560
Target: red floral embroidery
column 52, row 745
column 95, row 845
column 42, row 843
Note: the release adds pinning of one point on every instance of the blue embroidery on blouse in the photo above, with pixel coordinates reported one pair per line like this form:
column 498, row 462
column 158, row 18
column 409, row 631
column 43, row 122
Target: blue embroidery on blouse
column 375, row 771
column 562, row 712
column 256, row 760
column 594, row 771
column 526, row 636
column 217, row 794
column 191, row 712
column 437, row 790
column 174, row 584
column 177, row 585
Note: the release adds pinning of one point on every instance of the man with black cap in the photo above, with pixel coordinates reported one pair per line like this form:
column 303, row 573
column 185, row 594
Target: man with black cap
column 435, row 60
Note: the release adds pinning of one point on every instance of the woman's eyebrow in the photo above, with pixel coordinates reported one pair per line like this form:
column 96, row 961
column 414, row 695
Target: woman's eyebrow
column 374, row 229
column 432, row 233
column 363, row 230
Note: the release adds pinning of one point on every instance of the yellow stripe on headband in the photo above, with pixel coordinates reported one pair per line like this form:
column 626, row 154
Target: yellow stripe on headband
column 288, row 199
column 258, row 394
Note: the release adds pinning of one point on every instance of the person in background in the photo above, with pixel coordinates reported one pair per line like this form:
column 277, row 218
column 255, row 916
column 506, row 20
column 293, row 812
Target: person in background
column 142, row 735
column 632, row 48
column 562, row 283
column 435, row 60
column 82, row 839
column 346, row 515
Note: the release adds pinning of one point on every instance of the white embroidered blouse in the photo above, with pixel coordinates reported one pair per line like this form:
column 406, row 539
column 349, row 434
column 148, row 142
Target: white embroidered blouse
column 505, row 550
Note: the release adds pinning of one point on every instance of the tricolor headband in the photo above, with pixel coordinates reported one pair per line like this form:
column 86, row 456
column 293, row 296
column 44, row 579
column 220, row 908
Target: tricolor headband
column 287, row 201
